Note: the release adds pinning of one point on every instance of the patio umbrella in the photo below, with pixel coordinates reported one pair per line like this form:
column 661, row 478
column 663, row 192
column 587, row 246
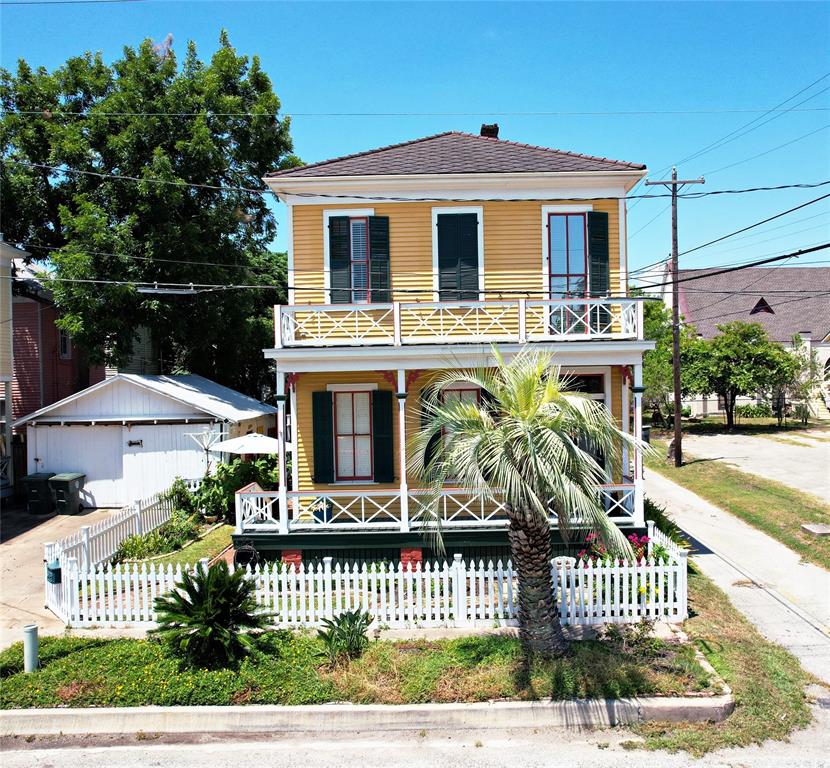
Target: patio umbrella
column 252, row 443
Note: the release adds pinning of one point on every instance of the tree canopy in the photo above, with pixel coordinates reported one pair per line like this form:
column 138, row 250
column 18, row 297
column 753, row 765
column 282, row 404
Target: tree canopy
column 172, row 125
column 740, row 360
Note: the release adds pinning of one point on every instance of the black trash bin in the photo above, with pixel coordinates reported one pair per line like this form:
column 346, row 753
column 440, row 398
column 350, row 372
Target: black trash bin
column 38, row 493
column 67, row 490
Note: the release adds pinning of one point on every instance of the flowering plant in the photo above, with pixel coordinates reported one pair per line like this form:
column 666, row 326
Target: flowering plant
column 594, row 549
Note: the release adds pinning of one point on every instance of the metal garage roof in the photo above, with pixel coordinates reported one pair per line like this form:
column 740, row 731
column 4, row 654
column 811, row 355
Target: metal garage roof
column 199, row 393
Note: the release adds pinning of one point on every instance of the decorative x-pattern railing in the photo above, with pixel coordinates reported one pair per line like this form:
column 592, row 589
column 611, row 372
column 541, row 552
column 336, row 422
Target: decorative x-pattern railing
column 359, row 509
column 397, row 324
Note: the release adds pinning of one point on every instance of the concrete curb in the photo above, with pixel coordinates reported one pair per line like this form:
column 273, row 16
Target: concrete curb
column 379, row 718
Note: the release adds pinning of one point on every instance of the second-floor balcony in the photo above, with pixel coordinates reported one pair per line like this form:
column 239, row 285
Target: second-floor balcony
column 407, row 323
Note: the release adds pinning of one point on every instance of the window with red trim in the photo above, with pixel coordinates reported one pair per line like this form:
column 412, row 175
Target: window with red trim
column 568, row 253
column 353, row 458
column 359, row 230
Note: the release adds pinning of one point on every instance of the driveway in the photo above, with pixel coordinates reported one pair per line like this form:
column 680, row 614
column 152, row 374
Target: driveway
column 787, row 599
column 800, row 460
column 21, row 567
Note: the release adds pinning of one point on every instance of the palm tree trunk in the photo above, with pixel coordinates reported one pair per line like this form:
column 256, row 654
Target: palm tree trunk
column 539, row 630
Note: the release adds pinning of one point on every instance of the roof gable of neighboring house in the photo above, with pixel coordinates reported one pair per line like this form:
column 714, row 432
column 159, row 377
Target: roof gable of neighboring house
column 787, row 296
column 457, row 153
column 134, row 397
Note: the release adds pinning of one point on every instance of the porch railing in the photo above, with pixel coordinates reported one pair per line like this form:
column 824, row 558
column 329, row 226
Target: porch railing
column 406, row 323
column 344, row 510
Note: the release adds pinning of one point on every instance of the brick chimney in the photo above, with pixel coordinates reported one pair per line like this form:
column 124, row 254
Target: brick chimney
column 490, row 130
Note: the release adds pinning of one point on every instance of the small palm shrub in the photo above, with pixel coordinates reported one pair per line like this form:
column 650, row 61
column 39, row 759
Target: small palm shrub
column 345, row 635
column 205, row 621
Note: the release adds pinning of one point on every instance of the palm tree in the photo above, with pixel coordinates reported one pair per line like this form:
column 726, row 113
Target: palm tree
column 531, row 440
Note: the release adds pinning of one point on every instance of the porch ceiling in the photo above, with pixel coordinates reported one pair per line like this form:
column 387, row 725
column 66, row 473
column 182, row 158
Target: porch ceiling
column 429, row 356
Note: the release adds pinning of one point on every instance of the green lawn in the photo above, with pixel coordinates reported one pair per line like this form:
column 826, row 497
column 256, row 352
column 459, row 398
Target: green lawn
column 709, row 425
column 209, row 546
column 289, row 669
column 771, row 507
column 767, row 682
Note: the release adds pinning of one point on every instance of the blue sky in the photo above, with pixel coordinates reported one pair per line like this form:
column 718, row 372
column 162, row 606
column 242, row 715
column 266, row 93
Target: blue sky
column 526, row 57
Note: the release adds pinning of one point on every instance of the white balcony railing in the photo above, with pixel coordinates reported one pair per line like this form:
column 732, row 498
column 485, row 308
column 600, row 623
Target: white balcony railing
column 259, row 511
column 405, row 323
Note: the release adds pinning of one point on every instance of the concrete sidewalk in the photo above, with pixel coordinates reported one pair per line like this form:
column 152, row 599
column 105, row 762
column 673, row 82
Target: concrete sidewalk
column 786, row 599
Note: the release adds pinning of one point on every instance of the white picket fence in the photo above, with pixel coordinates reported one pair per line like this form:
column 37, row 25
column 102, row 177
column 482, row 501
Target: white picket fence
column 93, row 545
column 449, row 593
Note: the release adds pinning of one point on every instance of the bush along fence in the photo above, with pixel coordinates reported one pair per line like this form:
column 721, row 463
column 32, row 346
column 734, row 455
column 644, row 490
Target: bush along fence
column 94, row 545
column 449, row 593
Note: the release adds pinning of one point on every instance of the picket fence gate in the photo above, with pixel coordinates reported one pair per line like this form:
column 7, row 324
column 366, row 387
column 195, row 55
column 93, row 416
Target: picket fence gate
column 449, row 593
column 93, row 545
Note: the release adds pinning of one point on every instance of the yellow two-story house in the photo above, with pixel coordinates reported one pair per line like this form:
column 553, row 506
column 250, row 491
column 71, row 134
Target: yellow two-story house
column 418, row 257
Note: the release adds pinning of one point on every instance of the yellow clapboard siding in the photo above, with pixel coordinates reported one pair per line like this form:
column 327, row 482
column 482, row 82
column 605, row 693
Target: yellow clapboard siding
column 513, row 234
column 314, row 382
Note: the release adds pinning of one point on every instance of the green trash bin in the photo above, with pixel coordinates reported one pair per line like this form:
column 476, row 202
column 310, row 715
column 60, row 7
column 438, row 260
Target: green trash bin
column 38, row 493
column 67, row 489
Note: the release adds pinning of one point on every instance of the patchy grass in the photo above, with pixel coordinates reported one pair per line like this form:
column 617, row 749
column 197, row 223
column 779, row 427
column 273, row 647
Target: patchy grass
column 209, row 546
column 289, row 669
column 767, row 682
column 771, row 507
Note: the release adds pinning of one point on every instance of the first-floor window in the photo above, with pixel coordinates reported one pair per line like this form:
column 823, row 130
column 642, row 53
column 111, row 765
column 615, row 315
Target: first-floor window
column 353, row 435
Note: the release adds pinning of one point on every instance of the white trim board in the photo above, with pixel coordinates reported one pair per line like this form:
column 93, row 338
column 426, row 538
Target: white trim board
column 351, row 387
column 437, row 211
column 327, row 214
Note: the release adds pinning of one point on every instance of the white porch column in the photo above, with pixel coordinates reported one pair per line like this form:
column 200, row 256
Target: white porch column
column 401, row 396
column 626, row 425
column 638, row 434
column 7, row 430
column 282, row 499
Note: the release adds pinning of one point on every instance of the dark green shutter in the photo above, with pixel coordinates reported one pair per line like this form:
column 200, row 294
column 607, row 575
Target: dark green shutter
column 340, row 260
column 379, row 259
column 600, row 280
column 432, row 446
column 458, row 256
column 383, row 449
column 323, row 432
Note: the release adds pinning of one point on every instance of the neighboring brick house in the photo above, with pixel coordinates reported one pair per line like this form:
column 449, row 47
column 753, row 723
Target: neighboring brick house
column 48, row 365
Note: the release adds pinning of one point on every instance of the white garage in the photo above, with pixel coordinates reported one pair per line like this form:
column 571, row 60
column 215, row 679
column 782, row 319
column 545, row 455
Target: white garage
column 132, row 435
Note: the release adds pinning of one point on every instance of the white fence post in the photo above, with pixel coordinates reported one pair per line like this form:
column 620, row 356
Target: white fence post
column 682, row 596
column 327, row 591
column 139, row 524
column 459, row 596
column 650, row 534
column 85, row 559
column 70, row 582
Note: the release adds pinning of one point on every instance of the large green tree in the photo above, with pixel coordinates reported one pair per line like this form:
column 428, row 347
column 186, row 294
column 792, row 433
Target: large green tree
column 740, row 360
column 173, row 125
column 532, row 442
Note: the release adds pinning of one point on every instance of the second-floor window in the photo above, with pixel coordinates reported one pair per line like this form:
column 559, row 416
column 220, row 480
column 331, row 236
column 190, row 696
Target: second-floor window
column 568, row 255
column 358, row 266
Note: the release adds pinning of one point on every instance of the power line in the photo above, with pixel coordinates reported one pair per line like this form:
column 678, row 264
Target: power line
column 767, row 152
column 756, row 263
column 381, row 198
column 46, row 112
column 756, row 224
column 65, row 2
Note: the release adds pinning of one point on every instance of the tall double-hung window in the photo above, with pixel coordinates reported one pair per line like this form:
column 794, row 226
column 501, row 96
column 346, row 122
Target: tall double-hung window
column 578, row 267
column 359, row 270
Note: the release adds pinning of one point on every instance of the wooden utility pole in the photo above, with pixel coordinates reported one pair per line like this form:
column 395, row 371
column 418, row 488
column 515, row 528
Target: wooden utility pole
column 675, row 184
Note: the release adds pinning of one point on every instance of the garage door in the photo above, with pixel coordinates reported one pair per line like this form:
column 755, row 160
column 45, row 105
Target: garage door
column 155, row 455
column 95, row 451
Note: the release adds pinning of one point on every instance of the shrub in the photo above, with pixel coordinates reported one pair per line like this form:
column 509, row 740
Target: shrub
column 205, row 620
column 168, row 537
column 753, row 411
column 181, row 497
column 216, row 493
column 345, row 635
